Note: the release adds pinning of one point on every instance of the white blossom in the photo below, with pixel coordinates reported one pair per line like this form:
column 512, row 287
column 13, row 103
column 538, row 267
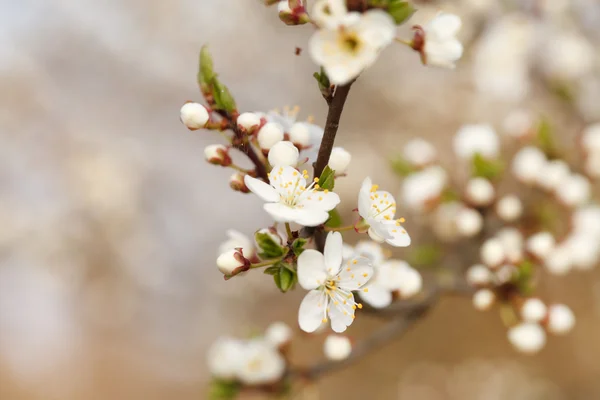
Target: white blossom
column 478, row 275
column 509, row 208
column 560, row 319
column 337, row 347
column 513, row 242
column 248, row 120
column 586, row 220
column 420, row 188
column 261, row 364
column 378, row 209
column 483, row 299
column 574, row 191
column 331, row 285
column 527, row 337
column 225, row 357
column 476, row 139
column 419, row 152
column 592, row 165
column 339, row 160
column 284, row 7
column 590, row 138
column 270, row 134
column 480, row 191
column 553, row 174
column 540, row 244
column 585, row 250
column 236, row 240
column 442, row 48
column 300, row 134
column 560, row 260
column 533, row 310
column 527, row 164
column 345, row 51
column 288, row 199
column 469, row 222
column 389, row 277
column 370, row 250
column 331, row 14
column 492, row 252
column 278, row 334
column 504, row 274
column 518, row 124
column 566, row 56
column 193, row 115
column 284, row 154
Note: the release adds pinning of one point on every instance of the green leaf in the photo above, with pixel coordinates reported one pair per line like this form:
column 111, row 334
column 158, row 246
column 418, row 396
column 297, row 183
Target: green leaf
column 298, row 245
column 269, row 246
column 206, row 73
column 271, row 270
column 335, row 220
column 488, row 169
column 401, row 11
column 545, row 139
column 524, row 277
column 285, row 278
column 425, row 255
column 327, row 178
column 322, row 80
column 449, row 195
column 402, row 167
column 223, row 390
column 223, row 98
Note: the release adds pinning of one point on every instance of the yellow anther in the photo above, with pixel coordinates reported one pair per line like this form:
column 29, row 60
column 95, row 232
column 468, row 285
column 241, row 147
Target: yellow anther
column 354, row 307
column 304, row 172
column 394, row 230
column 365, row 290
column 295, row 173
column 326, row 191
column 335, row 303
column 316, row 179
column 354, row 261
column 320, row 198
column 376, row 196
column 359, row 304
column 374, row 188
column 365, row 274
column 387, row 217
column 353, row 316
column 348, row 269
column 317, row 186
column 385, row 195
column 324, row 320
column 352, row 276
column 402, row 220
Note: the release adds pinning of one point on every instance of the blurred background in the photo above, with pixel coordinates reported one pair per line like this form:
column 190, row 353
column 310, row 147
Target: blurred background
column 110, row 218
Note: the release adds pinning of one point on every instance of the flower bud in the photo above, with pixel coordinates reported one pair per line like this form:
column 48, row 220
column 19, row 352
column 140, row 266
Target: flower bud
column 552, row 175
column 300, row 134
column 476, row 139
column 480, row 191
column 533, row 310
column 509, row 208
column 540, row 244
column 248, row 120
column 559, row 261
column 284, row 154
column 278, row 334
column 194, row 116
column 236, row 182
column 504, row 274
column 574, row 191
column 337, row 347
column 339, row 160
column 560, row 319
column 411, row 283
column 232, row 262
column 527, row 164
column 289, row 16
column 469, row 222
column 512, row 241
column 518, row 124
column 478, row 275
column 217, row 154
column 419, row 152
column 483, row 299
column 270, row 134
column 492, row 252
column 527, row 337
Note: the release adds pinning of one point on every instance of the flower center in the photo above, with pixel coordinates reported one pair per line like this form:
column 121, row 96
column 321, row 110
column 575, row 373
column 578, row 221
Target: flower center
column 350, row 42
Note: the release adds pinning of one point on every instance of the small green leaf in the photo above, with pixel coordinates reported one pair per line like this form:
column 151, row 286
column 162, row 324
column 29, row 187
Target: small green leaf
column 285, row 278
column 322, row 80
column 425, row 255
column 402, row 167
column 524, row 277
column 327, row 178
column 223, row 390
column 269, row 246
column 206, row 73
column 298, row 246
column 272, row 270
column 335, row 220
column 488, row 169
column 545, row 139
column 223, row 98
column 449, row 195
column 401, row 11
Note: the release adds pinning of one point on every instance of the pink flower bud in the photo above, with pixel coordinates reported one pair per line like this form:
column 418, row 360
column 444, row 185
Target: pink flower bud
column 217, row 154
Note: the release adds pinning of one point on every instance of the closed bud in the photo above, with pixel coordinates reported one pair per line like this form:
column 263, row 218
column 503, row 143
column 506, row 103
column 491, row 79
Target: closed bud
column 527, row 337
column 194, row 116
column 560, row 319
column 574, row 191
column 248, row 121
column 339, row 160
column 492, row 252
column 236, row 182
column 270, row 134
column 528, row 163
column 509, row 208
column 292, row 16
column 278, row 334
column 483, row 299
column 284, row 154
column 533, row 310
column 217, row 154
column 337, row 347
column 540, row 244
column 480, row 191
column 300, row 134
column 231, row 262
column 552, row 175
column 469, row 222
column 479, row 275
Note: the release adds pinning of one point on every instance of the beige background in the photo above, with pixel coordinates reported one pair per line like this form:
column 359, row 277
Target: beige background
column 110, row 218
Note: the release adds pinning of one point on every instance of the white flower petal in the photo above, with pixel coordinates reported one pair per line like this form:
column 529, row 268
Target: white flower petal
column 319, row 199
column 374, row 233
column 355, row 274
column 341, row 311
column 287, row 180
column 311, row 269
column 364, row 198
column 371, row 250
column 398, row 235
column 281, row 212
column 261, row 189
column 377, row 296
column 444, row 25
column 311, row 216
column 333, row 253
column 312, row 310
column 377, row 28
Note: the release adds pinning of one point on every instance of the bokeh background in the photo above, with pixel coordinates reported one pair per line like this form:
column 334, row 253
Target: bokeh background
column 110, row 218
